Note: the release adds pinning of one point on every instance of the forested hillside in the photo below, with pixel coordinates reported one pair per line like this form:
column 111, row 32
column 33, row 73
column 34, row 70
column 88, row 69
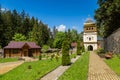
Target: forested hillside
column 19, row 26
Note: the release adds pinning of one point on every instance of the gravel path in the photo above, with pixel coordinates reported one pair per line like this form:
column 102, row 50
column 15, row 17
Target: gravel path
column 98, row 69
column 55, row 74
column 5, row 67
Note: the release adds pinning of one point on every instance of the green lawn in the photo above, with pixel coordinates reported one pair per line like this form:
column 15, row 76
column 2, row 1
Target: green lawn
column 3, row 60
column 79, row 70
column 39, row 68
column 114, row 64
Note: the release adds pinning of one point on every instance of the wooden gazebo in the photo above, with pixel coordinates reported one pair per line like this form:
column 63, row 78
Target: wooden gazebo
column 21, row 49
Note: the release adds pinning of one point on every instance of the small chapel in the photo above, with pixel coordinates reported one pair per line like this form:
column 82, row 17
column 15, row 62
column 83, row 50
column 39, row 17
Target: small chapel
column 90, row 35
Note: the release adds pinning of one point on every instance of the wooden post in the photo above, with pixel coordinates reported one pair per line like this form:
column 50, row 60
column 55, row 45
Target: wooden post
column 4, row 53
column 20, row 52
column 10, row 53
column 36, row 51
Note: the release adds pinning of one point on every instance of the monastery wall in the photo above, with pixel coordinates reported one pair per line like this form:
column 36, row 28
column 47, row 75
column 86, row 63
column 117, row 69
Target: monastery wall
column 112, row 42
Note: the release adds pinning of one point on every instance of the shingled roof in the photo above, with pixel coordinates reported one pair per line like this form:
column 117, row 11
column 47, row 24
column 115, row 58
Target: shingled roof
column 14, row 44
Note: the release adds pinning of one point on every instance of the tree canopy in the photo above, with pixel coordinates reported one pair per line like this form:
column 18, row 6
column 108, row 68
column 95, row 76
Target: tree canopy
column 107, row 16
column 19, row 37
column 19, row 26
column 12, row 23
column 59, row 38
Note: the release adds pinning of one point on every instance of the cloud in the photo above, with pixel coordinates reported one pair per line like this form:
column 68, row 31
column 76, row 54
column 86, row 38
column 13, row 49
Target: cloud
column 61, row 27
column 3, row 9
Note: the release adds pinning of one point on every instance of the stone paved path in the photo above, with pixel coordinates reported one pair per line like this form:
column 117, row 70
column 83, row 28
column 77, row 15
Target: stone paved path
column 5, row 67
column 98, row 69
column 55, row 74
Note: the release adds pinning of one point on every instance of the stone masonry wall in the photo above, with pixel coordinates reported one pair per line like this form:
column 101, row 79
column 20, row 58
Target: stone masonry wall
column 112, row 43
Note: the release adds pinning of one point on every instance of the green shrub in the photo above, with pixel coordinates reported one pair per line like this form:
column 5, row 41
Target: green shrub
column 65, row 53
column 118, row 55
column 52, row 56
column 78, row 48
column 100, row 50
column 29, row 67
column 45, row 48
column 40, row 57
column 74, row 56
column 83, row 48
column 57, row 56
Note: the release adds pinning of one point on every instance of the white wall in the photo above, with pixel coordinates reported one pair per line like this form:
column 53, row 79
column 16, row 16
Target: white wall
column 93, row 45
column 90, row 37
column 87, row 36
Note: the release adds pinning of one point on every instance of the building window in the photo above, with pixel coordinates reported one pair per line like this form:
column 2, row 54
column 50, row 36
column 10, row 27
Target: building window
column 90, row 28
column 32, row 50
column 89, row 39
column 15, row 51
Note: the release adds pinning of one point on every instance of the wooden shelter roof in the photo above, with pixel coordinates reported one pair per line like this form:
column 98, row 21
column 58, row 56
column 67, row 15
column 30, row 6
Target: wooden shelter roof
column 14, row 44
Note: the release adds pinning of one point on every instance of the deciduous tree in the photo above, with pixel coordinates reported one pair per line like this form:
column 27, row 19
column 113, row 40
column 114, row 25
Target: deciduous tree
column 107, row 16
column 59, row 38
column 19, row 37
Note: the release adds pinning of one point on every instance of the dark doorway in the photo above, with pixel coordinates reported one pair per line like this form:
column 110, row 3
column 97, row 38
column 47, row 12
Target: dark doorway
column 30, row 54
column 25, row 53
column 90, row 48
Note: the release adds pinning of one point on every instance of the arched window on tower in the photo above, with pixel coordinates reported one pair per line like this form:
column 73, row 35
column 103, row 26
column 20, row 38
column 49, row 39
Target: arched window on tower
column 92, row 28
column 89, row 39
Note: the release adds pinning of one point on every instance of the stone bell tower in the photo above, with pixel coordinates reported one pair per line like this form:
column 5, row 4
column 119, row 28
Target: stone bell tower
column 90, row 35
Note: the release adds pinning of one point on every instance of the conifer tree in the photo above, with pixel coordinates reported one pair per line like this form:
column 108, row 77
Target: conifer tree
column 78, row 48
column 65, row 53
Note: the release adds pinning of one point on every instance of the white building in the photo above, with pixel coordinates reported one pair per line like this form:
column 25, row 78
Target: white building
column 90, row 35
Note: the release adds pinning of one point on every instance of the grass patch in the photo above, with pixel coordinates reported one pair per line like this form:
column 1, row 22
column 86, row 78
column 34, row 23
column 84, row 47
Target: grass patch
column 31, row 70
column 3, row 60
column 77, row 71
column 73, row 55
column 114, row 64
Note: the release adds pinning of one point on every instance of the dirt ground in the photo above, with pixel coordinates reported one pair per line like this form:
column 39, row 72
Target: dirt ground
column 5, row 67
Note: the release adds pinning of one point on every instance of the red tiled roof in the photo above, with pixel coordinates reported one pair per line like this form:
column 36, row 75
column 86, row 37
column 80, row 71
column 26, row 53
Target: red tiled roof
column 14, row 44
